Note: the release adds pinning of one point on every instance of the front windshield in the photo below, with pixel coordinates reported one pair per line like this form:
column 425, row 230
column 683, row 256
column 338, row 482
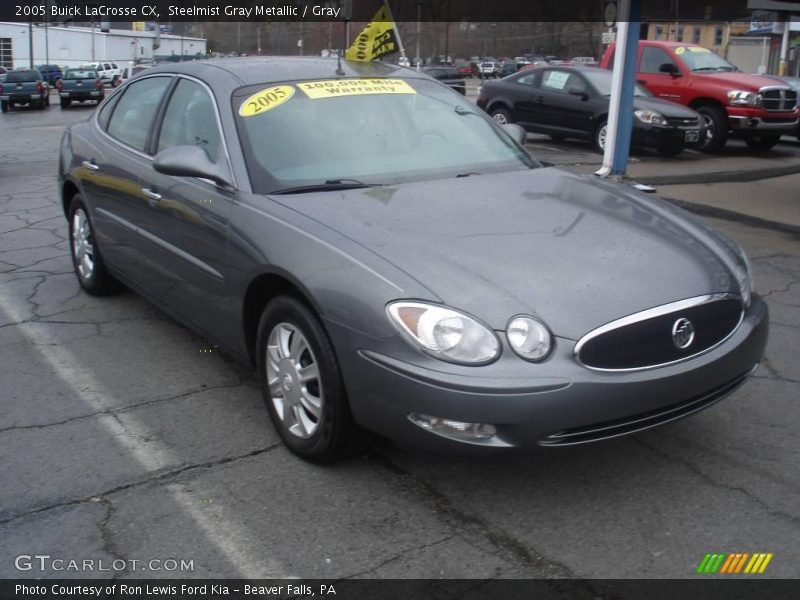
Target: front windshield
column 601, row 81
column 366, row 131
column 699, row 59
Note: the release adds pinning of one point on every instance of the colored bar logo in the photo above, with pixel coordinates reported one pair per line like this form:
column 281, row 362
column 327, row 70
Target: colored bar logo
column 734, row 563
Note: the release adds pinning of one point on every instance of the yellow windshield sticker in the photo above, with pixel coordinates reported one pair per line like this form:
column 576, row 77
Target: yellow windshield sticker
column 354, row 87
column 266, row 100
column 698, row 49
column 680, row 50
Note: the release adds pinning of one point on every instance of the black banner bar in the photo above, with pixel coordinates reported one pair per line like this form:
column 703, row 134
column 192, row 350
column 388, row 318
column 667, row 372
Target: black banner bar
column 473, row 11
column 740, row 588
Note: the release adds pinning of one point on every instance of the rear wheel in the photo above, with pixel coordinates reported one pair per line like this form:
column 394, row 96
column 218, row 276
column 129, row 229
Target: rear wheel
column 762, row 142
column 716, row 122
column 86, row 259
column 4, row 106
column 65, row 103
column 302, row 385
column 501, row 116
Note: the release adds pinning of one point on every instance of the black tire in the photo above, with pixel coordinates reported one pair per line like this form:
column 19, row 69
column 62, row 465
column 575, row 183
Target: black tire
column 4, row 106
column 670, row 149
column 65, row 103
column 47, row 99
column 336, row 435
column 501, row 115
column 762, row 142
column 599, row 136
column 716, row 121
column 97, row 281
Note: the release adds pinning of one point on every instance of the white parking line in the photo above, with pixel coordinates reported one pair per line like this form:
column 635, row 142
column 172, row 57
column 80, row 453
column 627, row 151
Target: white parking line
column 222, row 531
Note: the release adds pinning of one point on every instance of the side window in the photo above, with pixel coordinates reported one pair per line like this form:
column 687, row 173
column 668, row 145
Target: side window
column 135, row 111
column 105, row 112
column 559, row 81
column 652, row 59
column 190, row 120
column 529, row 79
column 106, row 66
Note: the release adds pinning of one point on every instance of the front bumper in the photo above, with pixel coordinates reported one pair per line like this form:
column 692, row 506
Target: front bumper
column 557, row 402
column 667, row 135
column 778, row 124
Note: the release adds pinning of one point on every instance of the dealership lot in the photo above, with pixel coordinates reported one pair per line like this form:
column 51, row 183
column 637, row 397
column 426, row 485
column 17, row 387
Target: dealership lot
column 124, row 437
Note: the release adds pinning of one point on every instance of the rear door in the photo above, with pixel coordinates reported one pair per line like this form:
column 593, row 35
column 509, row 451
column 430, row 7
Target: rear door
column 188, row 217
column 111, row 170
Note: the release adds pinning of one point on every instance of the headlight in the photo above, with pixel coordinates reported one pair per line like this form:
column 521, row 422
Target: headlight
column 445, row 333
column 742, row 98
column 529, row 338
column 650, row 117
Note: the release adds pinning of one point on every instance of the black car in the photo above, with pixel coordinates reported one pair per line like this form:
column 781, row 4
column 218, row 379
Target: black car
column 448, row 76
column 572, row 102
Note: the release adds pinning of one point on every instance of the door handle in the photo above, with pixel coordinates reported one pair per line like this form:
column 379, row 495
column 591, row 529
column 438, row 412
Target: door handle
column 152, row 197
column 89, row 164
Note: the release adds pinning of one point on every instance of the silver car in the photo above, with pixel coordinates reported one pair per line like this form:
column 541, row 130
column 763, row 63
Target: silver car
column 393, row 261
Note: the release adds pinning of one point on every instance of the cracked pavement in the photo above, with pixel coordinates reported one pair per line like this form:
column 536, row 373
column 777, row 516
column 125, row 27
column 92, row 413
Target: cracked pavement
column 122, row 439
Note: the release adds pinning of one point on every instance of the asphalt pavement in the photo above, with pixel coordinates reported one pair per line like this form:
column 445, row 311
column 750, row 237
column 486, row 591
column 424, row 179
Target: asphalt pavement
column 125, row 437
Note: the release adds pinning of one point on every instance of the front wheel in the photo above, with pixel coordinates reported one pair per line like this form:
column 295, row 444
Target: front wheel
column 302, row 385
column 501, row 116
column 86, row 260
column 762, row 142
column 716, row 121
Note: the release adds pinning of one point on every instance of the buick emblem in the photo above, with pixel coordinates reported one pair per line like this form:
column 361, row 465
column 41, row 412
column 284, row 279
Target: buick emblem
column 682, row 333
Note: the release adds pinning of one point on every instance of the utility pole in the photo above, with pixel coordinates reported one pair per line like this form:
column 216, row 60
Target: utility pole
column 30, row 40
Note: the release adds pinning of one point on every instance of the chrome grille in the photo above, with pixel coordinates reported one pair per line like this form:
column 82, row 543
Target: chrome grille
column 778, row 99
column 681, row 122
column 648, row 339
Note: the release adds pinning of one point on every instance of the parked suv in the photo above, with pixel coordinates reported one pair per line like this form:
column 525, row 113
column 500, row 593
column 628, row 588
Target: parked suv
column 109, row 72
column 732, row 103
column 489, row 69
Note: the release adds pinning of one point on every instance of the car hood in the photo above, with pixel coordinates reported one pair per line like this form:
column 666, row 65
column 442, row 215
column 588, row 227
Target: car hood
column 665, row 107
column 742, row 81
column 575, row 251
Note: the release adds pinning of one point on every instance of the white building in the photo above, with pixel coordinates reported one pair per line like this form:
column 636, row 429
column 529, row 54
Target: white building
column 73, row 46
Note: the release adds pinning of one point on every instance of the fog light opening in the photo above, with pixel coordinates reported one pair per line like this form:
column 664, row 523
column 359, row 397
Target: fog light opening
column 456, row 430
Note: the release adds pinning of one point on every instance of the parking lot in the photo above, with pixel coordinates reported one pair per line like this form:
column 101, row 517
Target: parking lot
column 125, row 437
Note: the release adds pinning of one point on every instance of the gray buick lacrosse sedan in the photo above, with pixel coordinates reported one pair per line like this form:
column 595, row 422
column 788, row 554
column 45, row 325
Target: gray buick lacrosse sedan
column 393, row 261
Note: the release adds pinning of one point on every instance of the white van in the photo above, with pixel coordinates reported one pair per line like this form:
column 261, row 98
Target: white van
column 109, row 72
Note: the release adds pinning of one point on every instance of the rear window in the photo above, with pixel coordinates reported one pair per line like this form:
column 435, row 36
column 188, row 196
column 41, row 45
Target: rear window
column 80, row 74
column 23, row 76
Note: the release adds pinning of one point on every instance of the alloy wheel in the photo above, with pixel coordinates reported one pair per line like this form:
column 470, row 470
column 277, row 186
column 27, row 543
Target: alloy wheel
column 500, row 117
column 293, row 377
column 82, row 244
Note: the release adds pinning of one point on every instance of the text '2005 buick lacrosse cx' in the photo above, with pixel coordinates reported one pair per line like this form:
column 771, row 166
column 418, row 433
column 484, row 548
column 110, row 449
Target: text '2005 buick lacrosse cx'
column 394, row 261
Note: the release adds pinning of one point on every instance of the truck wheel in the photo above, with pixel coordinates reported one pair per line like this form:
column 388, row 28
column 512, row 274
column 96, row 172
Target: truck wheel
column 716, row 121
column 86, row 260
column 762, row 142
column 64, row 103
column 3, row 106
column 302, row 385
column 47, row 100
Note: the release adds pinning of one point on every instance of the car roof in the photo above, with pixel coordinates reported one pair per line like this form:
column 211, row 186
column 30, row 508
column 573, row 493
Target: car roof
column 243, row 71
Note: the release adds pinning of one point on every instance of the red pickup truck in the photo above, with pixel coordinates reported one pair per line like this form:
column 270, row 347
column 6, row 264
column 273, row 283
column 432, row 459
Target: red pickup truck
column 732, row 103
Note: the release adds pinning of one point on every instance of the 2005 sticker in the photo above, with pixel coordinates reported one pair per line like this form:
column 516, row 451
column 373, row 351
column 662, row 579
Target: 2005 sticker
column 266, row 100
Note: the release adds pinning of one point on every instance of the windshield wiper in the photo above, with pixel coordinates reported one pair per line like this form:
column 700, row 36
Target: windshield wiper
column 705, row 69
column 330, row 185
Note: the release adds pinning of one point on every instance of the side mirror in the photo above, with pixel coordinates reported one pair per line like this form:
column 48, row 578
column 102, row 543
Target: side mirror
column 669, row 69
column 578, row 92
column 189, row 161
column 517, row 133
